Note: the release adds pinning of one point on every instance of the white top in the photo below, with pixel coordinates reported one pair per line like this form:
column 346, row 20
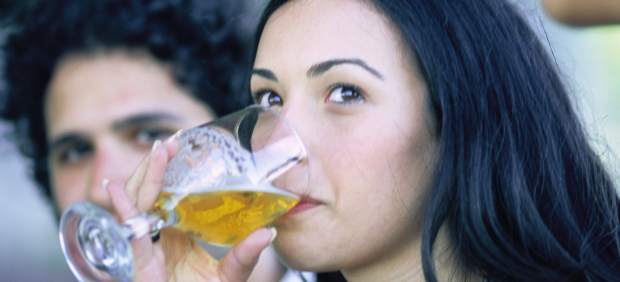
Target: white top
column 293, row 276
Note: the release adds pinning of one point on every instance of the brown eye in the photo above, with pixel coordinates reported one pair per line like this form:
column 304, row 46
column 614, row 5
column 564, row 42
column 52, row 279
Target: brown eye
column 147, row 135
column 268, row 99
column 74, row 153
column 345, row 95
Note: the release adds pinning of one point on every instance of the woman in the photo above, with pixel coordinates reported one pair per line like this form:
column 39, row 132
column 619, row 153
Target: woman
column 441, row 141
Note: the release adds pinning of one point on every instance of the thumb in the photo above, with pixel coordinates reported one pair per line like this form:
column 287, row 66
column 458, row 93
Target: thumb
column 238, row 264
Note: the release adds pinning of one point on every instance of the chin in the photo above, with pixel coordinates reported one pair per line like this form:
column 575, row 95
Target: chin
column 303, row 252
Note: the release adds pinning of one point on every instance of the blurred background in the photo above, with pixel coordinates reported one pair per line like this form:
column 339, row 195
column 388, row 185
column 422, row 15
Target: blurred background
column 589, row 60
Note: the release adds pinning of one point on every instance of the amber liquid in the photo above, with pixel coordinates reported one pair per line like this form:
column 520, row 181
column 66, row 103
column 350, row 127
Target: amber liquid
column 225, row 217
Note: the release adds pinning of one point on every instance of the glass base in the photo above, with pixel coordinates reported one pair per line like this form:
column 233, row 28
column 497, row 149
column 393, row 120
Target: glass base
column 95, row 246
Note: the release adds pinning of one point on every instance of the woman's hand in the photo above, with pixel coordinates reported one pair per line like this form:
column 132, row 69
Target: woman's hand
column 176, row 256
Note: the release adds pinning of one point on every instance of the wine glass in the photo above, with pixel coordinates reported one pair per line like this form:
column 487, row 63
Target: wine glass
column 219, row 187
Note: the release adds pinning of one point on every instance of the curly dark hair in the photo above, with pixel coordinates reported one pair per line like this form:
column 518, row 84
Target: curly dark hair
column 201, row 41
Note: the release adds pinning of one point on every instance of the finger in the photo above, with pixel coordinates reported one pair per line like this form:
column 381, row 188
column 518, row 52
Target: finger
column 172, row 146
column 153, row 179
column 238, row 264
column 143, row 250
column 123, row 206
column 135, row 181
column 145, row 185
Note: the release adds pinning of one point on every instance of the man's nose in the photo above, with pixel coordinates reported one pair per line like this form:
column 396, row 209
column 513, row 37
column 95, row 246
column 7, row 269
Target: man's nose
column 110, row 164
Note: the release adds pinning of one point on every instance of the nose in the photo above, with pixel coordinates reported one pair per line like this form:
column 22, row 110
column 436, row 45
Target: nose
column 297, row 118
column 110, row 162
column 297, row 178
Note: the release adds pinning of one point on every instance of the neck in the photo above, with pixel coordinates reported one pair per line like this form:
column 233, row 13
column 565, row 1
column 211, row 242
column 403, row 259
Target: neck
column 405, row 264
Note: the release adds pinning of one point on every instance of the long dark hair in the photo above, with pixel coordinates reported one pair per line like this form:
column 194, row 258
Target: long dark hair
column 520, row 190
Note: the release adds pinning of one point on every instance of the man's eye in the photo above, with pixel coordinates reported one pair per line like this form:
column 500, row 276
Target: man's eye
column 346, row 95
column 74, row 153
column 268, row 99
column 146, row 136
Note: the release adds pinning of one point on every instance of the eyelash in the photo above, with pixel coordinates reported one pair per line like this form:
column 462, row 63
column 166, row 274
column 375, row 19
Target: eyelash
column 260, row 94
column 74, row 153
column 77, row 151
column 360, row 95
column 147, row 135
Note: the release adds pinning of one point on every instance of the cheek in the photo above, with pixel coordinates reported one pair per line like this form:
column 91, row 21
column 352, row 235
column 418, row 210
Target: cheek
column 68, row 186
column 375, row 171
column 376, row 186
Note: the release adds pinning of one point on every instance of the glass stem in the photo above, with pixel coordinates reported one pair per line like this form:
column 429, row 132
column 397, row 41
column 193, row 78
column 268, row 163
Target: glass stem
column 143, row 224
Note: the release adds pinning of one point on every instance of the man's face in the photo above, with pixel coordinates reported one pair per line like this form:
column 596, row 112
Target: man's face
column 103, row 112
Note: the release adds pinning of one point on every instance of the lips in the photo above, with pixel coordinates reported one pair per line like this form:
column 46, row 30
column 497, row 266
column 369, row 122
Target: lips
column 304, row 204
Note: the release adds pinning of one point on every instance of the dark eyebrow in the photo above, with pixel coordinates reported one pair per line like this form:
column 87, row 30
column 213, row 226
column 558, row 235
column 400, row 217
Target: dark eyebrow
column 322, row 67
column 132, row 121
column 64, row 140
column 144, row 118
column 265, row 73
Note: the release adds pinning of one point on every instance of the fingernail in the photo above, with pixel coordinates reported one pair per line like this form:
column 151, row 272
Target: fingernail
column 174, row 136
column 274, row 233
column 156, row 145
column 104, row 183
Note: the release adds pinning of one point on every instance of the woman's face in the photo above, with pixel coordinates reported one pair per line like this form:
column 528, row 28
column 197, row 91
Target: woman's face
column 103, row 112
column 344, row 80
